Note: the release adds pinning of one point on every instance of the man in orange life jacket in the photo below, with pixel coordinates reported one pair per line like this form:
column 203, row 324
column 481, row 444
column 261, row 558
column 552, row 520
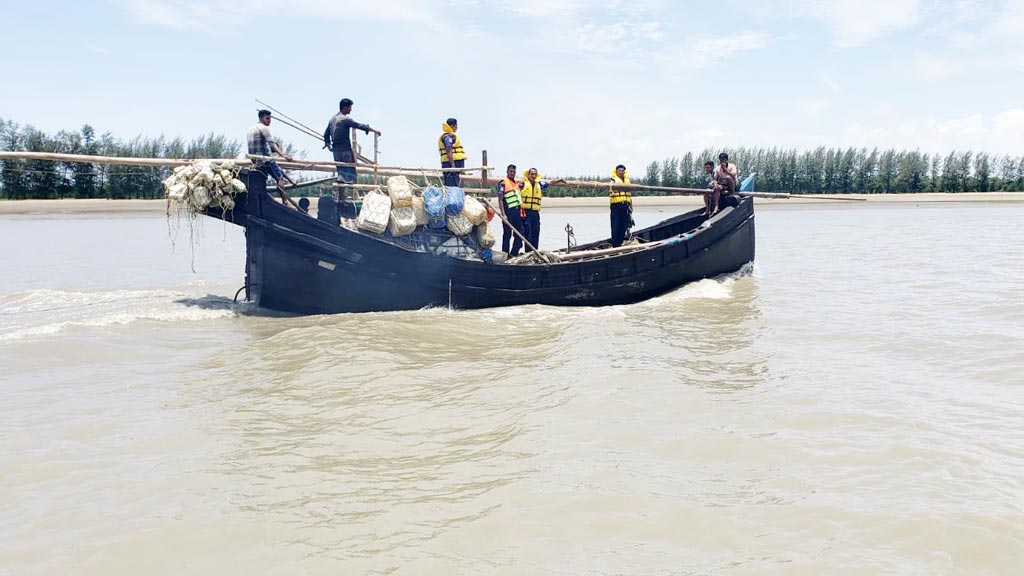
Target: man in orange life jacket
column 511, row 206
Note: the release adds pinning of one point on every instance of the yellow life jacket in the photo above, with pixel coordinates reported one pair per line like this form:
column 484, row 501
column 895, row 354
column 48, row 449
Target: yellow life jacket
column 531, row 193
column 512, row 199
column 617, row 196
column 457, row 152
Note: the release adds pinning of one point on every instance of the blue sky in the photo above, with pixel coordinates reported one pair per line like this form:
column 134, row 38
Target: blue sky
column 569, row 86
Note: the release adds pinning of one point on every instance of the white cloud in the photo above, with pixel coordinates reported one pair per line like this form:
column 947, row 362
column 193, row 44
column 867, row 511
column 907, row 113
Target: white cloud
column 1009, row 123
column 832, row 84
column 812, row 106
column 216, row 15
column 705, row 51
column 858, row 22
column 934, row 67
column 961, row 126
column 98, row 49
column 997, row 135
column 545, row 8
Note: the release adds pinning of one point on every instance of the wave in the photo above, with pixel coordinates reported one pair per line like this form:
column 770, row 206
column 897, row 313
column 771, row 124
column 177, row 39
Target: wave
column 44, row 312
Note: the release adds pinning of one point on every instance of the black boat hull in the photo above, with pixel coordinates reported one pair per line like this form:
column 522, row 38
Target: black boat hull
column 297, row 264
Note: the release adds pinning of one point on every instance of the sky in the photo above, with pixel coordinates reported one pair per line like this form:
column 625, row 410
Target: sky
column 572, row 87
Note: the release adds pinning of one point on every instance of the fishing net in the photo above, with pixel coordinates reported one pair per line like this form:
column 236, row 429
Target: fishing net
column 483, row 235
column 375, row 213
column 201, row 185
column 400, row 192
column 474, row 210
column 402, row 222
column 459, row 224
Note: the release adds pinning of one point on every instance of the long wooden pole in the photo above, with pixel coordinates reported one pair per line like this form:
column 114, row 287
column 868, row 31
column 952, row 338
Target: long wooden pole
column 589, row 184
column 325, row 166
column 305, row 128
column 543, row 256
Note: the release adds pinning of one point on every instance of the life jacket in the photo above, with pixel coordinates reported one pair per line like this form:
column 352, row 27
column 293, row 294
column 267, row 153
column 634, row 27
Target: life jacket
column 457, row 152
column 618, row 196
column 532, row 193
column 512, row 198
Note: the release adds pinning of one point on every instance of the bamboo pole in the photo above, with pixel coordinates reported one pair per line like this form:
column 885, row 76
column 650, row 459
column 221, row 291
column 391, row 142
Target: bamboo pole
column 583, row 254
column 545, row 256
column 376, row 157
column 318, row 166
column 300, row 126
column 483, row 171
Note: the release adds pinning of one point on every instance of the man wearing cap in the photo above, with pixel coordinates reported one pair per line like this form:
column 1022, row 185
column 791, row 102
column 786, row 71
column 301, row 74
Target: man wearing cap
column 452, row 154
column 336, row 139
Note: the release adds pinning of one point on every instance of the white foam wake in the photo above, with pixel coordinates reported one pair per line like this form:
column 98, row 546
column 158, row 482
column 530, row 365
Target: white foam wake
column 33, row 313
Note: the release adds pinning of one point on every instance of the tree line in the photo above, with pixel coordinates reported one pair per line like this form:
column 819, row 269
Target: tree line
column 851, row 170
column 24, row 179
column 822, row 170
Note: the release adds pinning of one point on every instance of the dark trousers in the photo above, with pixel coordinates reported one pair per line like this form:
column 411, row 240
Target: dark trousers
column 506, row 232
column 533, row 227
column 452, row 178
column 620, row 222
column 345, row 173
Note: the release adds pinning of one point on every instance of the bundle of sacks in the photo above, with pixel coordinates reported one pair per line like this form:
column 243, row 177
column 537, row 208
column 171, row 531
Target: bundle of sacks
column 202, row 184
column 400, row 212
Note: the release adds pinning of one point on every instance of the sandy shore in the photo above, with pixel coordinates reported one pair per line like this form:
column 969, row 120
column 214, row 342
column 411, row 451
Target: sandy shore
column 127, row 207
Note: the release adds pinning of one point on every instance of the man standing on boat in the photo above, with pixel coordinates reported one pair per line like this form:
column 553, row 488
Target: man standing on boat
column 511, row 207
column 532, row 191
column 261, row 143
column 452, row 153
column 621, row 201
column 336, row 139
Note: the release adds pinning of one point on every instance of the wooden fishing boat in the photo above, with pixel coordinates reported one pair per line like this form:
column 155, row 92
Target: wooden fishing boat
column 299, row 264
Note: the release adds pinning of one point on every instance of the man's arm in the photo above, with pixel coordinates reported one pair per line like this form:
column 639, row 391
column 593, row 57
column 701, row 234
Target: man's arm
column 277, row 149
column 327, row 135
column 448, row 140
column 350, row 123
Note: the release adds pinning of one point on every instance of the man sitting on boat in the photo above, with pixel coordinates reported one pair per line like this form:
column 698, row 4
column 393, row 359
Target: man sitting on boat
column 726, row 177
column 621, row 206
column 511, row 206
column 336, row 139
column 452, row 153
column 709, row 182
column 261, row 143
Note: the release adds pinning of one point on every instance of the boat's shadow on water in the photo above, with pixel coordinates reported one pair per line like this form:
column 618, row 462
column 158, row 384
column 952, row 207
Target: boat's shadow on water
column 239, row 307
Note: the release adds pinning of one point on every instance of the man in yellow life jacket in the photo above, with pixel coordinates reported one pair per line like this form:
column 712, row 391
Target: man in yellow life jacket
column 621, row 206
column 452, row 154
column 532, row 188
column 511, row 206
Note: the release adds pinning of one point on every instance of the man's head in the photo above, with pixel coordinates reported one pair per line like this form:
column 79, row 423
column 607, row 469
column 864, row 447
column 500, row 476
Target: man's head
column 532, row 174
column 723, row 158
column 265, row 117
column 345, row 105
column 453, row 123
column 511, row 171
column 709, row 167
column 620, row 171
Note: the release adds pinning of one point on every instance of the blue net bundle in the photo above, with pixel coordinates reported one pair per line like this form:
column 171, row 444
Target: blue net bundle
column 434, row 206
column 455, row 198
